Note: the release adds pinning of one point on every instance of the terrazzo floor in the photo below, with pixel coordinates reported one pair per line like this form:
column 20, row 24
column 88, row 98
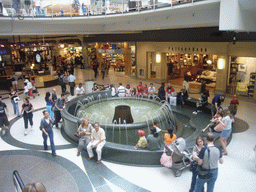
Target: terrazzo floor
column 67, row 172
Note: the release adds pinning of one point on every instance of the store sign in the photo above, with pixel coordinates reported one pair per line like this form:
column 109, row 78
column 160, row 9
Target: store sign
column 4, row 51
column 111, row 51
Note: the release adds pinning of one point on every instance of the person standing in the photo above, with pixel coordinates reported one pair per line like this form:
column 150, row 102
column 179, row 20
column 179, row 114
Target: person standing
column 196, row 149
column 208, row 158
column 4, row 113
column 72, row 84
column 46, row 127
column 12, row 95
column 95, row 68
column 98, row 140
column 62, row 81
column 27, row 109
column 14, row 79
column 49, row 104
column 54, row 95
column 59, row 106
column 226, row 122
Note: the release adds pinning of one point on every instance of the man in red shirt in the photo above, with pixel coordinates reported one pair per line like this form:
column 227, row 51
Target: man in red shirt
column 169, row 90
column 140, row 89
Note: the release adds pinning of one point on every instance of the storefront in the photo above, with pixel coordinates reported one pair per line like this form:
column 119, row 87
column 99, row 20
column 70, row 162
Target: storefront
column 119, row 56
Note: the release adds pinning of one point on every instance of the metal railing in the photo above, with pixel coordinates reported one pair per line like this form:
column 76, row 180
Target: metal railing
column 81, row 8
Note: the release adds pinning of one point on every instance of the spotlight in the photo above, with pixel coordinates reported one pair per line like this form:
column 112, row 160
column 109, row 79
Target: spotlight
column 234, row 40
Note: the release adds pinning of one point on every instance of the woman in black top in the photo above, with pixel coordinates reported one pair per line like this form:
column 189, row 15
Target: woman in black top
column 27, row 109
column 161, row 92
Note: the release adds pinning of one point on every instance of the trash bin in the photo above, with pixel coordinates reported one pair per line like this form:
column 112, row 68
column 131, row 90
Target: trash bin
column 89, row 86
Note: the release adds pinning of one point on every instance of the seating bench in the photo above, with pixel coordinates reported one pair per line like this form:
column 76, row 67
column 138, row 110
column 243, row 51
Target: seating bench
column 192, row 103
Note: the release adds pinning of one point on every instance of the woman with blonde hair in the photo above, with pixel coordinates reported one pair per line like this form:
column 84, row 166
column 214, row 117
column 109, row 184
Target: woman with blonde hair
column 34, row 186
column 84, row 131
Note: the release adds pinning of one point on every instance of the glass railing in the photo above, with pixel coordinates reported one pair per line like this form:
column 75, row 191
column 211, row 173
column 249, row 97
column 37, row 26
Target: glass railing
column 81, row 8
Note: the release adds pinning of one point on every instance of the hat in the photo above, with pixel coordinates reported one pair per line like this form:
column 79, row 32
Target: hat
column 142, row 133
column 26, row 81
column 234, row 95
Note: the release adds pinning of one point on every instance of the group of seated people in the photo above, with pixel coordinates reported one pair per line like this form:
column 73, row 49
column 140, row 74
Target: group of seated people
column 153, row 141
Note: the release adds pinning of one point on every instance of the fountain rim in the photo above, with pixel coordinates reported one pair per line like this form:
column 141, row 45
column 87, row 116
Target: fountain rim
column 137, row 125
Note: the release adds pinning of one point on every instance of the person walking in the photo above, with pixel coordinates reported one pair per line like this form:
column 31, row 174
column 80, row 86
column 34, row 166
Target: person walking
column 72, row 84
column 4, row 113
column 208, row 159
column 13, row 95
column 30, row 88
column 59, row 106
column 27, row 109
column 196, row 150
column 46, row 128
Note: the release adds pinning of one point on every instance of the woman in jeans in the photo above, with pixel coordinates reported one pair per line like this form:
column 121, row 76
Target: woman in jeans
column 13, row 94
column 197, row 148
column 27, row 109
column 84, row 130
column 49, row 104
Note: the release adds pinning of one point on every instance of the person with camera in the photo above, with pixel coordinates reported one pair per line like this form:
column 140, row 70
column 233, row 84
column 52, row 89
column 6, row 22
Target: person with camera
column 13, row 95
column 208, row 160
column 84, row 133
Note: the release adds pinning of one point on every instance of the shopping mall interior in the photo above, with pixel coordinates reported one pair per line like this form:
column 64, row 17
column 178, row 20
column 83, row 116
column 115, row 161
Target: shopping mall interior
column 160, row 41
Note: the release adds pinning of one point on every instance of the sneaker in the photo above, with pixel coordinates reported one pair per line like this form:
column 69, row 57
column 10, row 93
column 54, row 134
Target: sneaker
column 199, row 111
column 3, row 132
column 195, row 113
column 6, row 128
column 25, row 132
column 31, row 128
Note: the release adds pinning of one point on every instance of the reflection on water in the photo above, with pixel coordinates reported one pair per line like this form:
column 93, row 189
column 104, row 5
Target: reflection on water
column 104, row 112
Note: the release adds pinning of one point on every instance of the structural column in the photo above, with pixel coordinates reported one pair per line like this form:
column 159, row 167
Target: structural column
column 127, row 59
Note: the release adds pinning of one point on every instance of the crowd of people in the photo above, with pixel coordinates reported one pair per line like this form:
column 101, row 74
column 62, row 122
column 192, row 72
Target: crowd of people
column 204, row 153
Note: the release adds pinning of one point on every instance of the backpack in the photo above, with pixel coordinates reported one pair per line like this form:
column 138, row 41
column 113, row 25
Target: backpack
column 61, row 80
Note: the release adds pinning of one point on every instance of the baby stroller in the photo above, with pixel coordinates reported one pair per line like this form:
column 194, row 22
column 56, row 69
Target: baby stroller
column 176, row 157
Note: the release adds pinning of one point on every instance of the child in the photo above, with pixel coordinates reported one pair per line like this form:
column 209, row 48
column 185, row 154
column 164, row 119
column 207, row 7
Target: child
column 142, row 141
column 233, row 105
column 214, row 122
column 145, row 92
column 34, row 89
column 26, row 90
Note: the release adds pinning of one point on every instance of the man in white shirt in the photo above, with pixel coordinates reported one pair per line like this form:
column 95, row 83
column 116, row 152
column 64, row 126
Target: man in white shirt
column 121, row 90
column 72, row 84
column 151, row 91
column 98, row 140
column 80, row 90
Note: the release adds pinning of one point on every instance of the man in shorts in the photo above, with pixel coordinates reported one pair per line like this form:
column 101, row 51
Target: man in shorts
column 3, row 117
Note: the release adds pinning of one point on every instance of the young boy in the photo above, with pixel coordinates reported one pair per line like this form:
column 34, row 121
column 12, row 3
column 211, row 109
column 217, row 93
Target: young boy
column 142, row 141
column 233, row 105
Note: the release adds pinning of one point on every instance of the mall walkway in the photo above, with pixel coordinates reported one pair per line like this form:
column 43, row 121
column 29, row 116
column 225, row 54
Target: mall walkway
column 67, row 172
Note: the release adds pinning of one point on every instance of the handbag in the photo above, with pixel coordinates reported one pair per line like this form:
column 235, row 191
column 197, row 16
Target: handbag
column 193, row 165
column 204, row 173
column 77, row 135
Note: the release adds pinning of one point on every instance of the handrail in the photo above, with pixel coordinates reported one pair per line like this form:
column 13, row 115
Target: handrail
column 18, row 183
column 75, row 9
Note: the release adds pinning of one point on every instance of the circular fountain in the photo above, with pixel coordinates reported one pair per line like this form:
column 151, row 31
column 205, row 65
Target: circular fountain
column 121, row 118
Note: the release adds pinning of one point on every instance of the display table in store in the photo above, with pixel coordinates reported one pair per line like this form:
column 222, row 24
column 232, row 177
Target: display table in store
column 197, row 85
column 47, row 80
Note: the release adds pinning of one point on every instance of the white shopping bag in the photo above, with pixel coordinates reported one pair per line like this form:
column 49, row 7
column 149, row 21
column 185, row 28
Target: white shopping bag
column 173, row 101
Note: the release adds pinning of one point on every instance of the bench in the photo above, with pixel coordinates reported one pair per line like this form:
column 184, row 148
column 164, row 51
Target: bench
column 192, row 103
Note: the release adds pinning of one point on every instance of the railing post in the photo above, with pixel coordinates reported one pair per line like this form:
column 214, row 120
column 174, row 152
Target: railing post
column 52, row 9
column 70, row 9
column 122, row 6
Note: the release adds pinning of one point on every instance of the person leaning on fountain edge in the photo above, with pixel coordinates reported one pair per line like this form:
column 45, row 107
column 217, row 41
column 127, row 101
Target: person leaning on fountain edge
column 158, row 130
